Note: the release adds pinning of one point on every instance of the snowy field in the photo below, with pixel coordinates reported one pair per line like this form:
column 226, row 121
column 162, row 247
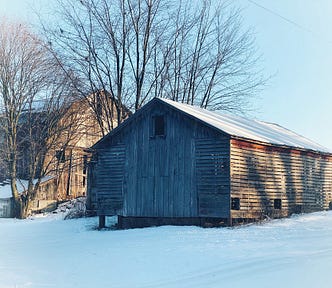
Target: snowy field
column 49, row 252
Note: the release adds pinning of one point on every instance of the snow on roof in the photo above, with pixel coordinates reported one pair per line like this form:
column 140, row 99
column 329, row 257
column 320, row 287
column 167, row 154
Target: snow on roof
column 5, row 191
column 22, row 185
column 248, row 128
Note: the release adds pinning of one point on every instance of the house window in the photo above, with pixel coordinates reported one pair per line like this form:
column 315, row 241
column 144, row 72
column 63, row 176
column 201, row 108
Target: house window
column 85, row 163
column 159, row 125
column 61, row 155
column 235, row 203
column 83, row 181
column 277, row 203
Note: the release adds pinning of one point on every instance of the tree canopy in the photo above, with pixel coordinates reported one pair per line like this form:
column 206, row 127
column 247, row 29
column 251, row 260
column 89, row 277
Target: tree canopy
column 195, row 52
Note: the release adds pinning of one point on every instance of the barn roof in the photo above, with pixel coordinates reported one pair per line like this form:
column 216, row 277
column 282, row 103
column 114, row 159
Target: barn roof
column 248, row 128
column 233, row 125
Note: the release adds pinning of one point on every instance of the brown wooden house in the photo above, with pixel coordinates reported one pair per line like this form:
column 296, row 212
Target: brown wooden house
column 71, row 156
column 46, row 200
column 66, row 161
column 172, row 163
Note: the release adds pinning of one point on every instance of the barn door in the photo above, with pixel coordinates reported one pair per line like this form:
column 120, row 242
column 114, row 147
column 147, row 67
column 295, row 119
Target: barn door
column 110, row 180
column 212, row 176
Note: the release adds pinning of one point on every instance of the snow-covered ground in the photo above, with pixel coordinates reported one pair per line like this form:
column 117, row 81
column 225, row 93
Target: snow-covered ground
column 50, row 252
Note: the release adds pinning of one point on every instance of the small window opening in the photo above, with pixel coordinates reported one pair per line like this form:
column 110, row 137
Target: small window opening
column 83, row 181
column 85, row 163
column 159, row 125
column 235, row 203
column 277, row 204
column 61, row 156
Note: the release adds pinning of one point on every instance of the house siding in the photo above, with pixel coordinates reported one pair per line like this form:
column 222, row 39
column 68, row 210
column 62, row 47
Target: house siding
column 6, row 208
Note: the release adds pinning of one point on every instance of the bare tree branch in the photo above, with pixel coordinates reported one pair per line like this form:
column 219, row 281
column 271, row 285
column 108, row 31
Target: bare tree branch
column 193, row 52
column 34, row 95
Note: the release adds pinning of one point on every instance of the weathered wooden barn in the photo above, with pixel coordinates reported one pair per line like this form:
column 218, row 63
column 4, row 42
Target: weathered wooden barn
column 171, row 163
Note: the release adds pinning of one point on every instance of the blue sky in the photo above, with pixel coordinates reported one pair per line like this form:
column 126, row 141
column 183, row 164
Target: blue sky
column 298, row 50
column 295, row 38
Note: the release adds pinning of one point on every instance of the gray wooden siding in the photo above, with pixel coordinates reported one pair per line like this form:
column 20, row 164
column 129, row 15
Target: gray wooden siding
column 160, row 171
column 110, row 179
column 303, row 181
column 158, row 176
column 212, row 176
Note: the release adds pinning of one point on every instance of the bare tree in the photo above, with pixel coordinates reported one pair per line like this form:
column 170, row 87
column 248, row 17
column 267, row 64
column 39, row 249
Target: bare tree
column 107, row 43
column 193, row 52
column 34, row 94
column 213, row 61
column 92, row 43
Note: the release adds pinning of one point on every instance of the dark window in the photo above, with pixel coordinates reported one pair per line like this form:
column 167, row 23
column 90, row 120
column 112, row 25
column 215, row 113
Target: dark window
column 235, row 203
column 61, row 156
column 277, row 204
column 83, row 181
column 159, row 125
column 85, row 163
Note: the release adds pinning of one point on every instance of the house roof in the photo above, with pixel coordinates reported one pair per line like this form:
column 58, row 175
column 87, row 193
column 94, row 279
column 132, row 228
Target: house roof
column 250, row 129
column 235, row 126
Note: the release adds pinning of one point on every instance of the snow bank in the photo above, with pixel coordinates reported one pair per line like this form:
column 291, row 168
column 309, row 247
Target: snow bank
column 45, row 252
column 71, row 209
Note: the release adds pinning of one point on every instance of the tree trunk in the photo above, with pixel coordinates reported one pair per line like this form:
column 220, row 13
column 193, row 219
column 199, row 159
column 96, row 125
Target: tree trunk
column 25, row 207
column 17, row 208
column 15, row 193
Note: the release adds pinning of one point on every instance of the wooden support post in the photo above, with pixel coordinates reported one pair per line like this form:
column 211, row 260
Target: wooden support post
column 120, row 223
column 102, row 221
column 230, row 221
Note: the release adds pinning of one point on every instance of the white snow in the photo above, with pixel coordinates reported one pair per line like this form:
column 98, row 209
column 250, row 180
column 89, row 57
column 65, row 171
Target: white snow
column 48, row 252
column 248, row 128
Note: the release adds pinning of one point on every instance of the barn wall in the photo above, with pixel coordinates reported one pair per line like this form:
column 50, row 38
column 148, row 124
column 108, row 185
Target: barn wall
column 91, row 199
column 160, row 172
column 261, row 174
column 212, row 177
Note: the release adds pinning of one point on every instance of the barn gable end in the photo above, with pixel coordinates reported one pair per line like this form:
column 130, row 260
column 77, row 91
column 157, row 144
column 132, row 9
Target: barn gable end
column 173, row 167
